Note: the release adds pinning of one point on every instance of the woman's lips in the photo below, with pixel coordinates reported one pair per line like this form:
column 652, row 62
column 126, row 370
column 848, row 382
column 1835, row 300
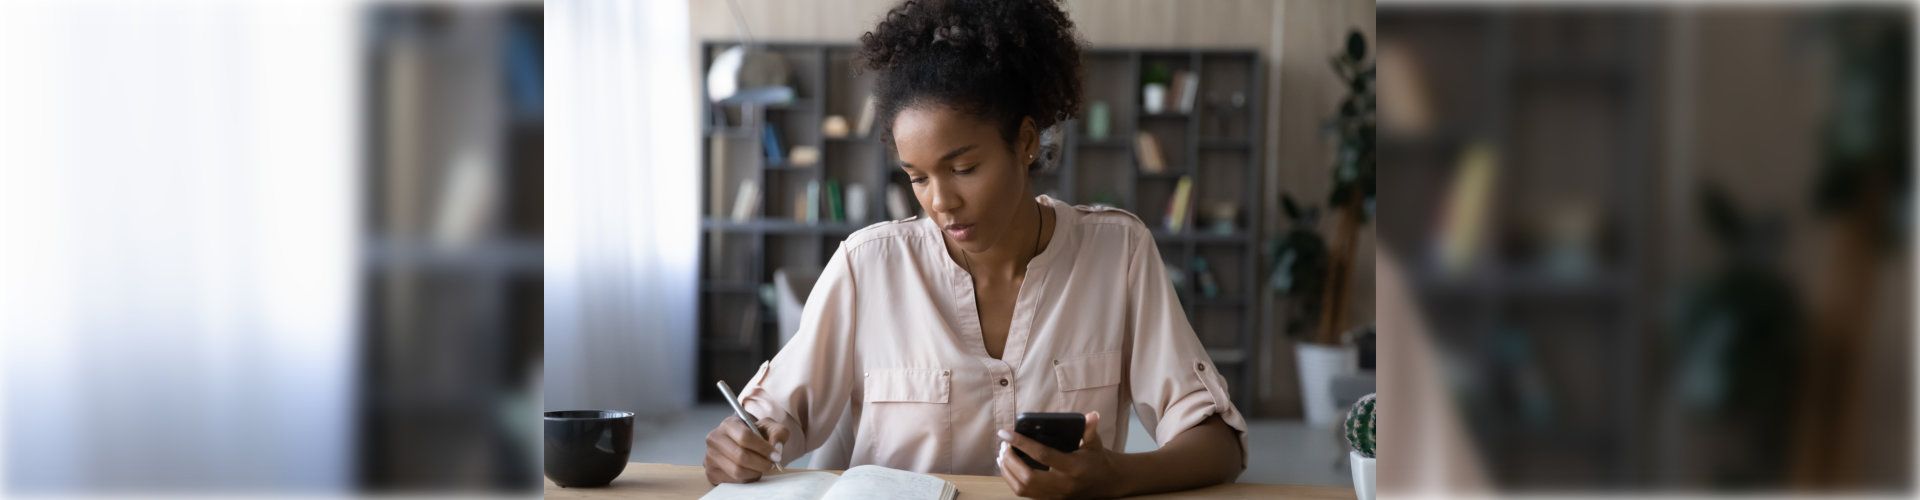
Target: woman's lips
column 960, row 232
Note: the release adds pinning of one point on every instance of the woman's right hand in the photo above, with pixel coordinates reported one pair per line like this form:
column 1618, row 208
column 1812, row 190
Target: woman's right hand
column 735, row 455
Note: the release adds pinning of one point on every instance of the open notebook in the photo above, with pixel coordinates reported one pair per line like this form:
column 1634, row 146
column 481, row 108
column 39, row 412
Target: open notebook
column 866, row 482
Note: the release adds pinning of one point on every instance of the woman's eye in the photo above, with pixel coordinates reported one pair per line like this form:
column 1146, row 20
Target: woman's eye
column 917, row 180
column 964, row 172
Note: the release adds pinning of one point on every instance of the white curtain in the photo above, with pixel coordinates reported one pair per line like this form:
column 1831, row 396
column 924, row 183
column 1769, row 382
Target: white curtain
column 621, row 207
column 176, row 242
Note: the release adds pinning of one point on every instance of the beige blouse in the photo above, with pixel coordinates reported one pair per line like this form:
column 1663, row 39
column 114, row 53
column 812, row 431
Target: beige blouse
column 889, row 366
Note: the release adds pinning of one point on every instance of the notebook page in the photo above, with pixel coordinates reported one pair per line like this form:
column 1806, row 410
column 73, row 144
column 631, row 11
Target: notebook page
column 789, row 486
column 873, row 482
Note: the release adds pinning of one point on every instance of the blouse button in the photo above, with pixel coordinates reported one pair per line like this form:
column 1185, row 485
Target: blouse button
column 1200, row 366
column 1003, row 382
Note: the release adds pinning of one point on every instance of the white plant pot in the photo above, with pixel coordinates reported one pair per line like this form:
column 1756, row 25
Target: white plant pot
column 1155, row 97
column 1362, row 474
column 1319, row 364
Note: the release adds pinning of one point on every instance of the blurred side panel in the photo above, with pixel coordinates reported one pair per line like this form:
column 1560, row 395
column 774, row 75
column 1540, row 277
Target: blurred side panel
column 451, row 339
column 1653, row 247
column 177, row 241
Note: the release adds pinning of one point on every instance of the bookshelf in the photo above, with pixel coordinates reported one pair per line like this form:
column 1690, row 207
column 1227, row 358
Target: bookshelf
column 1214, row 144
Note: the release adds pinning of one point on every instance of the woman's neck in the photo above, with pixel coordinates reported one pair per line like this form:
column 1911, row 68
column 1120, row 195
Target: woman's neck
column 1009, row 257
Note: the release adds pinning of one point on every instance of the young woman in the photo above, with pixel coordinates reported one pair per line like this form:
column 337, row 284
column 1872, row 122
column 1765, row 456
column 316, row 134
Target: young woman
column 925, row 337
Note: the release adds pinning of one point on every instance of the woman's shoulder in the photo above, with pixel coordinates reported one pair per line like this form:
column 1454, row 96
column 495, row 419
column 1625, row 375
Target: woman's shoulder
column 1102, row 221
column 881, row 233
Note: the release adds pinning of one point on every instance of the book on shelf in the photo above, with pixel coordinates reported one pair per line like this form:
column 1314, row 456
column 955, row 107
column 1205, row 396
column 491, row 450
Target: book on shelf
column 813, row 202
column 1189, row 90
column 836, row 211
column 866, row 118
column 862, row 482
column 468, row 192
column 1147, row 150
column 896, row 203
column 1465, row 209
column 749, row 326
column 406, row 90
column 747, row 201
column 857, row 203
column 717, row 176
column 771, row 140
column 525, row 82
column 1178, row 209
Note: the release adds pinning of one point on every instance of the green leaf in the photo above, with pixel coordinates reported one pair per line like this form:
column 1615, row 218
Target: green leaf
column 1356, row 46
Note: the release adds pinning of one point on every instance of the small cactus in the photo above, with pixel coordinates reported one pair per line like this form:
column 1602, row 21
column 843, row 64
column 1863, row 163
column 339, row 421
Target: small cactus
column 1360, row 426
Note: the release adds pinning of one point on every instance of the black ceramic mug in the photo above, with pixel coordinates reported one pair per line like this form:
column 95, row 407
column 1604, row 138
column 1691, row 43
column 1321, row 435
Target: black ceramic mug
column 587, row 447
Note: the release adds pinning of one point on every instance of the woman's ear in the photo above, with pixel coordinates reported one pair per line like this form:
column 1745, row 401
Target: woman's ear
column 1029, row 152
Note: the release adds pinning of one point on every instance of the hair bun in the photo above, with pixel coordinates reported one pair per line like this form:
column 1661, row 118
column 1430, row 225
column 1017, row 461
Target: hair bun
column 1003, row 60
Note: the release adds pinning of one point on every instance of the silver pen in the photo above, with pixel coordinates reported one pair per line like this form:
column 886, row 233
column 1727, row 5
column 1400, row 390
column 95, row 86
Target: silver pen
column 745, row 417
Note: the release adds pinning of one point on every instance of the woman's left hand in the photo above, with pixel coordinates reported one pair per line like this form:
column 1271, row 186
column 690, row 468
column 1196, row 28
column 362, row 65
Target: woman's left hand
column 1084, row 473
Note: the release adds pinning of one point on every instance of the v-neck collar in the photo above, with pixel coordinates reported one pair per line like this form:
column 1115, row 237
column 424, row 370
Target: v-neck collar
column 1025, row 303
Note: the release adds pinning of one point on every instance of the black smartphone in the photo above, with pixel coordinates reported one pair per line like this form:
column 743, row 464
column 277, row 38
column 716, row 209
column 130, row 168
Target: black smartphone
column 1061, row 431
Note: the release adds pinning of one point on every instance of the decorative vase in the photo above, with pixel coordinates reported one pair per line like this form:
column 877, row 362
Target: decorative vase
column 1097, row 121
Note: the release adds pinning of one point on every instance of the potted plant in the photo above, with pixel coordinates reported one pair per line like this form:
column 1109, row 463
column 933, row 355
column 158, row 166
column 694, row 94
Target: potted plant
column 1153, row 88
column 1299, row 275
column 1352, row 197
column 1314, row 273
column 1360, row 427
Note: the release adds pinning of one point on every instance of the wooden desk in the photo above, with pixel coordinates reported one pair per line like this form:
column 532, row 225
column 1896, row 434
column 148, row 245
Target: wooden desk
column 644, row 480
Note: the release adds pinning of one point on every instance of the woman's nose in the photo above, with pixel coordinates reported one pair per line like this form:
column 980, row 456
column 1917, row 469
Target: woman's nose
column 946, row 199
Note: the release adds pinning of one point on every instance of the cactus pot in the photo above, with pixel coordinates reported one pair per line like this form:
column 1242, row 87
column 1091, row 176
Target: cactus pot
column 1362, row 466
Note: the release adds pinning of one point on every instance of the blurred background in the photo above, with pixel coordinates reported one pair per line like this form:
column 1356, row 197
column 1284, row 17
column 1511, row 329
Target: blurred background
column 1649, row 247
column 326, row 248
column 268, row 248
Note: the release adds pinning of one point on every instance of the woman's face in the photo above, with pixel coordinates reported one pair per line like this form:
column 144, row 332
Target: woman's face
column 966, row 177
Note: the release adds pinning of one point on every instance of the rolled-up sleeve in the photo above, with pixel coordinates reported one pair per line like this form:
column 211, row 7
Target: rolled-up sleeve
column 1175, row 385
column 808, row 384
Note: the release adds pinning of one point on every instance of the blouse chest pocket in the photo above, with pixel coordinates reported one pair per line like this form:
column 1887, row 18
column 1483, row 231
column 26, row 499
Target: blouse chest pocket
column 905, row 418
column 1089, row 382
column 908, row 386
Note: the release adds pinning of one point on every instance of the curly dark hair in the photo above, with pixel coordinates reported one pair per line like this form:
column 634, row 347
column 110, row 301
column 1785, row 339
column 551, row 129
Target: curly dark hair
column 1002, row 60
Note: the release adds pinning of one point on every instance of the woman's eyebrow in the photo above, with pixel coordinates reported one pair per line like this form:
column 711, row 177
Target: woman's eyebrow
column 950, row 154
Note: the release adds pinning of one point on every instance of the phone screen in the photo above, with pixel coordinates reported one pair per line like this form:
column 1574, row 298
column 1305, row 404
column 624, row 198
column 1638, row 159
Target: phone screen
column 1061, row 431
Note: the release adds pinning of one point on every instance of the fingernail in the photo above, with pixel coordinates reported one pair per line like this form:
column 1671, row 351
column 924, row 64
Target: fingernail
column 1003, row 450
column 1004, row 436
